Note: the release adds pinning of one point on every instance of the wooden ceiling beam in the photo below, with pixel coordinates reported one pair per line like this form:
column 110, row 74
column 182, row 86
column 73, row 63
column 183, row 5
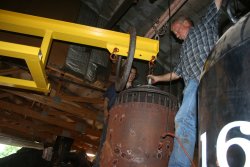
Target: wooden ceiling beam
column 20, row 133
column 3, row 95
column 15, row 122
column 81, row 112
column 10, row 71
column 62, row 74
column 23, row 131
column 82, row 99
column 20, row 109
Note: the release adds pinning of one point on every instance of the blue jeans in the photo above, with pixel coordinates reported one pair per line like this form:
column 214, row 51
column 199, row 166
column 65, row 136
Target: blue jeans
column 185, row 127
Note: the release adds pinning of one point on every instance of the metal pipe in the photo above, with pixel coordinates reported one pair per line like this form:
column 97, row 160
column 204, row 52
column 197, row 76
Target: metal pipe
column 165, row 17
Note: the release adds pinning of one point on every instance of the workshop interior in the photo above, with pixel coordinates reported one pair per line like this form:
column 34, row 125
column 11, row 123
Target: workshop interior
column 58, row 58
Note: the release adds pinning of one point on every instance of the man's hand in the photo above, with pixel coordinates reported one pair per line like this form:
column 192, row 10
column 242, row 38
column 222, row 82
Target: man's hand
column 153, row 78
column 165, row 77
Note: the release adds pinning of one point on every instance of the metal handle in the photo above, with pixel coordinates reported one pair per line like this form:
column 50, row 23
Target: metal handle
column 123, row 70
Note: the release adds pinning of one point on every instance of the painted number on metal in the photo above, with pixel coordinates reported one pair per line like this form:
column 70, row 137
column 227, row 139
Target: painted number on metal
column 223, row 144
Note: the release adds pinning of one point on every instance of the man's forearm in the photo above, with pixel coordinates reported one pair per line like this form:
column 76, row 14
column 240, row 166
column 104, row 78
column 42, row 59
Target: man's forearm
column 169, row 76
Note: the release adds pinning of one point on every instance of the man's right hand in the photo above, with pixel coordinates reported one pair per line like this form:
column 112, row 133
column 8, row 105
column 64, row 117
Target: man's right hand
column 153, row 78
column 165, row 77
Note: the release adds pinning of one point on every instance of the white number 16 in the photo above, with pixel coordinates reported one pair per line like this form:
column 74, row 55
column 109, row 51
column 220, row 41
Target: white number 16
column 223, row 145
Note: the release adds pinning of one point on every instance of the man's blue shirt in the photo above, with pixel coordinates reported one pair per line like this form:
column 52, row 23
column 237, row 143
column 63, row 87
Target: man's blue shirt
column 111, row 95
column 197, row 46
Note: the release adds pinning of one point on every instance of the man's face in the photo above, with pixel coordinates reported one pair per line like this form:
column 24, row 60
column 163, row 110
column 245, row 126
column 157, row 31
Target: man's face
column 132, row 75
column 180, row 29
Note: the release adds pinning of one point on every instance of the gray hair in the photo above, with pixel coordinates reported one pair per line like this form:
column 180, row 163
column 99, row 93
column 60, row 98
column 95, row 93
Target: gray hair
column 181, row 19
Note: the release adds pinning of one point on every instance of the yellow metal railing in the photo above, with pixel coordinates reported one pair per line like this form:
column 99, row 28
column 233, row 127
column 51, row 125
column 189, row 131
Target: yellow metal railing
column 50, row 29
column 35, row 65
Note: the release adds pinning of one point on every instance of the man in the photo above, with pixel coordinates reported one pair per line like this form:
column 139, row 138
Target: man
column 109, row 100
column 199, row 40
column 110, row 94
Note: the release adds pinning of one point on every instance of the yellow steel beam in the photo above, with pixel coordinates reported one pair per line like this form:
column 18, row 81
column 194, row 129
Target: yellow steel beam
column 50, row 29
column 21, row 83
column 19, row 51
column 45, row 47
column 76, row 33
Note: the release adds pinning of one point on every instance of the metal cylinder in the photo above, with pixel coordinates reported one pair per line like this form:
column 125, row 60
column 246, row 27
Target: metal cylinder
column 137, row 121
column 224, row 100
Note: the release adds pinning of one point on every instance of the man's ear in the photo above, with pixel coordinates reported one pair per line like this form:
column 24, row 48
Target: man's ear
column 187, row 24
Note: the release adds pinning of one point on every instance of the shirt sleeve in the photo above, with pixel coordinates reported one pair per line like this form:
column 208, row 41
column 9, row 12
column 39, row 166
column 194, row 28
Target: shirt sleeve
column 211, row 14
column 111, row 95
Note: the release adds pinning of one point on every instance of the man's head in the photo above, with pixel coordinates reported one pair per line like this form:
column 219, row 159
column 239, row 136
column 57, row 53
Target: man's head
column 181, row 27
column 131, row 77
column 132, row 74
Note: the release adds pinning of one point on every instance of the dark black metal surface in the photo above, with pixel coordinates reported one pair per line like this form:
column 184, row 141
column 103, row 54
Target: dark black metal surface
column 61, row 148
column 123, row 70
column 148, row 94
column 124, row 7
column 224, row 100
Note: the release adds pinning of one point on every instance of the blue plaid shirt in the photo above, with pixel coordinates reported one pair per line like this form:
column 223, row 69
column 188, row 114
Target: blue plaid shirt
column 197, row 46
